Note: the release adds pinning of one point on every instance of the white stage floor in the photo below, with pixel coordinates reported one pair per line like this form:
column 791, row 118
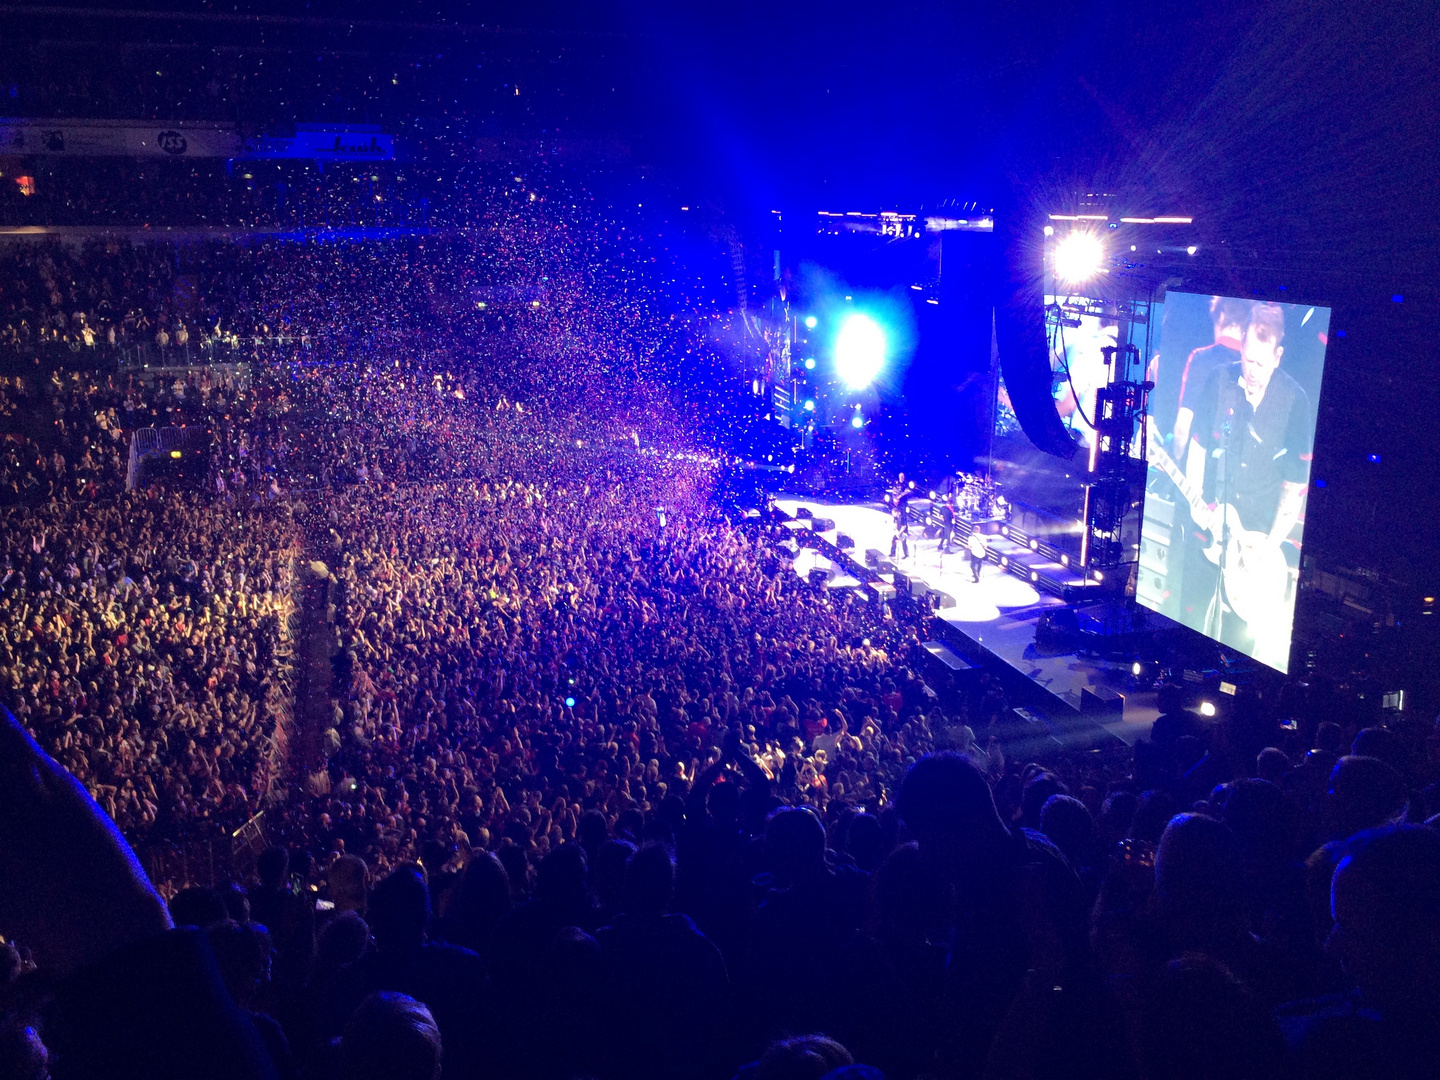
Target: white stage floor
column 999, row 612
column 995, row 594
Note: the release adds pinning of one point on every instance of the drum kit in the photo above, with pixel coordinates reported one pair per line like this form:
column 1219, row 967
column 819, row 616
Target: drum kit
column 974, row 497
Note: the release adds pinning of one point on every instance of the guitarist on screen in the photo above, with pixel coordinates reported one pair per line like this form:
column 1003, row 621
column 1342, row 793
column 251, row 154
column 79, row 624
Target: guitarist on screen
column 1249, row 455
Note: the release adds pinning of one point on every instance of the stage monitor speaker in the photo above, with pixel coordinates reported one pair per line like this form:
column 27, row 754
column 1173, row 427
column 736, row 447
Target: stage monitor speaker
column 818, row 576
column 1101, row 699
column 821, row 524
column 1057, row 628
column 1082, row 593
column 844, row 543
column 906, row 585
column 803, row 512
column 873, row 557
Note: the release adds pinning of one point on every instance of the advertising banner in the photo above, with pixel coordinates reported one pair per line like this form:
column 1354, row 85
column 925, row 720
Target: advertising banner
column 98, row 138
column 326, row 144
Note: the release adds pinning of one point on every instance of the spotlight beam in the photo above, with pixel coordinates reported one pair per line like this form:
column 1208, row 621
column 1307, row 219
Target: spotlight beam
column 860, row 350
column 1079, row 256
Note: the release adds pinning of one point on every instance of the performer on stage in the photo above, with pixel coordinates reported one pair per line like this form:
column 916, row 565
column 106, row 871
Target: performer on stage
column 898, row 497
column 1249, row 458
column 947, row 497
column 978, row 550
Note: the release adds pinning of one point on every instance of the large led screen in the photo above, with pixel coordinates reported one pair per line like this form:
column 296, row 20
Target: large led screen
column 1232, row 425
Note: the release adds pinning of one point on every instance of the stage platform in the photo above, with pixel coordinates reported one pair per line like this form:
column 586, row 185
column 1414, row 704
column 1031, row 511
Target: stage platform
column 994, row 618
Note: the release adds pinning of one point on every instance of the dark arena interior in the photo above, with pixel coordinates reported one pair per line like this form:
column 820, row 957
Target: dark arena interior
column 621, row 540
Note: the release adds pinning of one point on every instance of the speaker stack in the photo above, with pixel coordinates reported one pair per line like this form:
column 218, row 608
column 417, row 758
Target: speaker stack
column 1156, row 538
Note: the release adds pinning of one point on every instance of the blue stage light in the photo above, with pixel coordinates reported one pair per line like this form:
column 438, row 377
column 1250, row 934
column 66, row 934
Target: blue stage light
column 569, row 702
column 811, row 322
column 857, row 421
column 859, row 351
column 809, row 406
column 809, row 363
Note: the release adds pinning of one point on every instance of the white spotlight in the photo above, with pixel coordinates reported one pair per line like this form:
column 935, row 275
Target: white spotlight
column 1078, row 257
column 859, row 351
column 1207, row 708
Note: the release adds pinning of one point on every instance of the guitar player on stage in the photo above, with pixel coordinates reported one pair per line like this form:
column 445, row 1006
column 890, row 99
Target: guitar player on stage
column 1249, row 450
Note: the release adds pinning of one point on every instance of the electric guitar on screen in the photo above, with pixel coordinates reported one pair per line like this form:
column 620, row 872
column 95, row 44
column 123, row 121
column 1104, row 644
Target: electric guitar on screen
column 1255, row 573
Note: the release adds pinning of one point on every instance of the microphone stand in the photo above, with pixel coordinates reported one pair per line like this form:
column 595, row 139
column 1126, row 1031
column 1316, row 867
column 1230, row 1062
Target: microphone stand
column 1214, row 615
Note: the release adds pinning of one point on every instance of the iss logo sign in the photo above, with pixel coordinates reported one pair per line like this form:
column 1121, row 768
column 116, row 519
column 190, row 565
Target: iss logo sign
column 172, row 142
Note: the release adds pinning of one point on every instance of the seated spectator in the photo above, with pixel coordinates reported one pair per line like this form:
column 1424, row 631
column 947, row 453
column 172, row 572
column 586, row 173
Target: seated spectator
column 1068, row 825
column 804, row 1057
column 197, row 907
column 1017, row 904
column 810, row 905
column 1201, row 896
column 268, row 898
column 666, row 982
column 1272, row 764
column 1381, row 743
column 1204, row 1023
column 347, row 884
column 890, row 1008
column 478, row 905
column 1364, row 793
column 450, row 981
column 243, row 954
column 1386, row 902
column 391, row 1037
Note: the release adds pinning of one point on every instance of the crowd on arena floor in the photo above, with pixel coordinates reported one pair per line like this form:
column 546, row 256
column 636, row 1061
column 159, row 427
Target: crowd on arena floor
column 138, row 642
column 604, row 789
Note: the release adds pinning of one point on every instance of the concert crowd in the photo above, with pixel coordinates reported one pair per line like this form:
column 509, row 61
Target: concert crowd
column 560, row 769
